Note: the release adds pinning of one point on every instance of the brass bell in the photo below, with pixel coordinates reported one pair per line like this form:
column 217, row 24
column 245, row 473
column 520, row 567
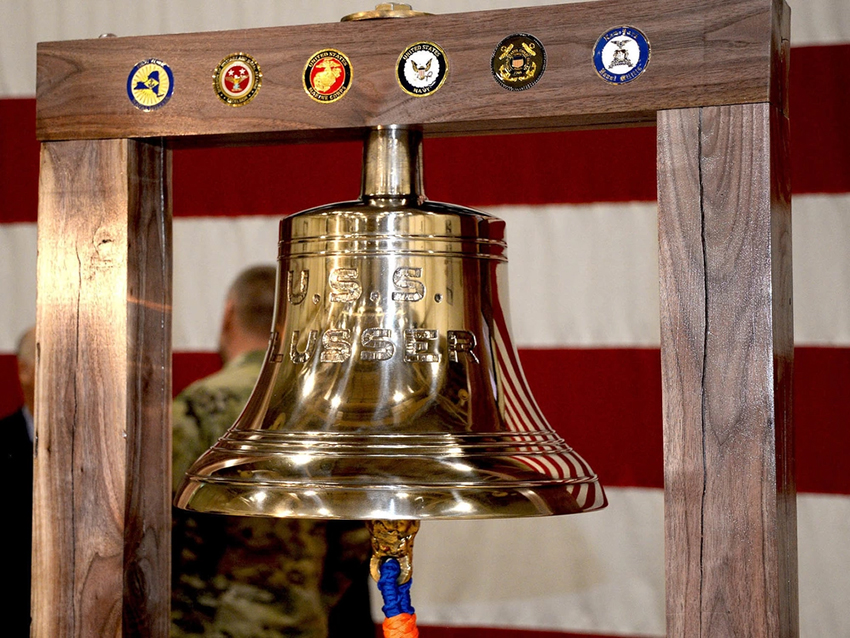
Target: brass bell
column 391, row 389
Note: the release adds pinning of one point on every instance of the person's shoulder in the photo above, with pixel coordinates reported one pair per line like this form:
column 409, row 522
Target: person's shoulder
column 230, row 385
column 242, row 371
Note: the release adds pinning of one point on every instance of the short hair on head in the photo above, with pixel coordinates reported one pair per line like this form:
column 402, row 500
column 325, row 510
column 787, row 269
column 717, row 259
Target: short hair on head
column 253, row 293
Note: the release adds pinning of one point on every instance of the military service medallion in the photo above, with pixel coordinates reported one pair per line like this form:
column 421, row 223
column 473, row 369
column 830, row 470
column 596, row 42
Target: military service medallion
column 621, row 55
column 518, row 62
column 421, row 69
column 150, row 84
column 237, row 78
column 327, row 76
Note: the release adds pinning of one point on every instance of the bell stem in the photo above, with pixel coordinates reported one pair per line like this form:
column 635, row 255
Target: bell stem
column 392, row 163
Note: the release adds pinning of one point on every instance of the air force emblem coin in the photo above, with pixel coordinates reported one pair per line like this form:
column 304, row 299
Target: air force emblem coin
column 621, row 55
column 150, row 84
column 237, row 78
column 422, row 68
column 327, row 76
column 518, row 61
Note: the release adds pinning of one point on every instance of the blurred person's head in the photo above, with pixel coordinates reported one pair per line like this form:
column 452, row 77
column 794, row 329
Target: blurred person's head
column 26, row 366
column 248, row 311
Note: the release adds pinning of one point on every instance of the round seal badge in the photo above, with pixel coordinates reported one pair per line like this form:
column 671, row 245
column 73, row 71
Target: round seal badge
column 327, row 76
column 422, row 68
column 150, row 84
column 237, row 78
column 621, row 55
column 518, row 61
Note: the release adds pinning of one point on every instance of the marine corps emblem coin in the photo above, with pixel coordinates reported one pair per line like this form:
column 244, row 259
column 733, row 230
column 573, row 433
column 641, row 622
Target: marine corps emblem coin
column 327, row 76
column 150, row 84
column 621, row 55
column 236, row 79
column 421, row 69
column 518, row 61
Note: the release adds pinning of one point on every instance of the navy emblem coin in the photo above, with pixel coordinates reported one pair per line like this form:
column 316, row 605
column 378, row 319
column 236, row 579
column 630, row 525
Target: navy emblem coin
column 422, row 68
column 518, row 61
column 237, row 78
column 150, row 84
column 621, row 55
column 327, row 76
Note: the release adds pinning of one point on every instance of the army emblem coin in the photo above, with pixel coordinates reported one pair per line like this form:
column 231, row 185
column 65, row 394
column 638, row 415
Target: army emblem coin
column 327, row 76
column 237, row 78
column 621, row 55
column 421, row 69
column 150, row 84
column 518, row 61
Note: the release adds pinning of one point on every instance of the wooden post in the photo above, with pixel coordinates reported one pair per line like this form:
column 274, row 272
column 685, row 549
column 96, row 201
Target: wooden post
column 727, row 350
column 102, row 516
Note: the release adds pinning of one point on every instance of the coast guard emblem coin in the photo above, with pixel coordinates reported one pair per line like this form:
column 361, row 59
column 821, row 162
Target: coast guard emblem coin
column 421, row 69
column 237, row 79
column 327, row 76
column 150, row 84
column 621, row 55
column 518, row 61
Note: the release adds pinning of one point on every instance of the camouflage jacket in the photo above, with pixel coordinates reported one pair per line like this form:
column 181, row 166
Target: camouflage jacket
column 247, row 577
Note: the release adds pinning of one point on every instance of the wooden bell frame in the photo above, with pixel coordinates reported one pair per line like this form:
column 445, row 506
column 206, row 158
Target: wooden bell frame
column 716, row 87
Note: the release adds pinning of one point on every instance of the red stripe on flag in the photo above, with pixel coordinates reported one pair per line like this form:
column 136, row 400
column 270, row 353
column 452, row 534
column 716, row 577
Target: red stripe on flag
column 188, row 367
column 820, row 128
column 18, row 161
column 607, row 405
column 11, row 398
column 822, row 419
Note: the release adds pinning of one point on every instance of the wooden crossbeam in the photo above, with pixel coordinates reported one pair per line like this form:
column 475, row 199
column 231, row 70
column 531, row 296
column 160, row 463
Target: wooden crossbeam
column 702, row 54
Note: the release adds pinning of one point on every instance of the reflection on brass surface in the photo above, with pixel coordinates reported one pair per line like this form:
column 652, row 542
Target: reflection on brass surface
column 392, row 539
column 385, row 10
column 391, row 388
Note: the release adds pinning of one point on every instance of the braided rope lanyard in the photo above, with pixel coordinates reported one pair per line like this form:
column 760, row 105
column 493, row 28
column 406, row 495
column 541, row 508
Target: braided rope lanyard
column 400, row 621
column 391, row 567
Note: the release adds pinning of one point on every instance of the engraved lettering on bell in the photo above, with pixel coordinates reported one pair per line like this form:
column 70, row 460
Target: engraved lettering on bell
column 336, row 346
column 307, row 354
column 408, row 286
column 377, row 345
column 344, row 285
column 296, row 297
column 419, row 346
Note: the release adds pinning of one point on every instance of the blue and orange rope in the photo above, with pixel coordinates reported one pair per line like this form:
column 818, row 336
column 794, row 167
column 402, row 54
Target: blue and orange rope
column 400, row 621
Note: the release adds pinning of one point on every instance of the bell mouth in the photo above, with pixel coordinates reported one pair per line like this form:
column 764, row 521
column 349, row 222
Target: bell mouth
column 391, row 476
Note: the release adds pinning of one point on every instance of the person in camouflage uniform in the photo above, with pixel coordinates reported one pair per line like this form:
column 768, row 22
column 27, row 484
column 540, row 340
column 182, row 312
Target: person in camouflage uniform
column 253, row 577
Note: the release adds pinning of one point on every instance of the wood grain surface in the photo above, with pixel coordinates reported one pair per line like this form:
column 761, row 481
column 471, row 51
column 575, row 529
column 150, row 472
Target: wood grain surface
column 101, row 508
column 703, row 53
column 727, row 361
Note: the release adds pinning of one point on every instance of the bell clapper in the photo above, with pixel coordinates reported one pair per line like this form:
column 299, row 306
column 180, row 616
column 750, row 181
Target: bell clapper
column 392, row 568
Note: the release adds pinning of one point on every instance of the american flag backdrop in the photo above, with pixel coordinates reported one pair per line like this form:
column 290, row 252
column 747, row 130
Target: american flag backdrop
column 582, row 244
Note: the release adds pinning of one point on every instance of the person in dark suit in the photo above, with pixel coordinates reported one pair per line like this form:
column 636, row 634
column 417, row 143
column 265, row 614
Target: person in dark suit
column 17, row 431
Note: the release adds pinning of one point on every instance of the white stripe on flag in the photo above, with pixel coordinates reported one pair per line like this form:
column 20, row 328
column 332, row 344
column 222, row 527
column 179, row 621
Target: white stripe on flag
column 601, row 572
column 580, row 275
